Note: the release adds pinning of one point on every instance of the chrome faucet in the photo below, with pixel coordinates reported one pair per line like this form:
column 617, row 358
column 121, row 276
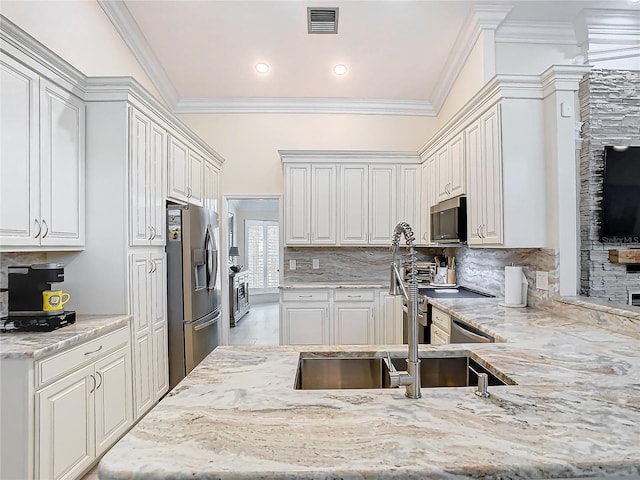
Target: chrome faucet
column 411, row 378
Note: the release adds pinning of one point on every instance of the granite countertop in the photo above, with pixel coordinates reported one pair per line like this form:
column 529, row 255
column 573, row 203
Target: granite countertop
column 40, row 344
column 574, row 412
column 302, row 285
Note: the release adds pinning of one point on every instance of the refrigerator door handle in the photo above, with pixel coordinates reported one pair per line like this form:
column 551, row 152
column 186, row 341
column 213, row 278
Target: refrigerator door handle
column 211, row 260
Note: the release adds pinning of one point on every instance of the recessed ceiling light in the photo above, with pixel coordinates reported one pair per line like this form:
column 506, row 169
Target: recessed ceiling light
column 340, row 69
column 262, row 67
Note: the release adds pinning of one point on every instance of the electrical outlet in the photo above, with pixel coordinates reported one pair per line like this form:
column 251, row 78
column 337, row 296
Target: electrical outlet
column 316, row 263
column 292, row 265
column 542, row 280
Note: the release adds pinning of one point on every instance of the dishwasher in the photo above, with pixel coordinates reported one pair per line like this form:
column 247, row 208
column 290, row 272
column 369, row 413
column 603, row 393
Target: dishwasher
column 463, row 333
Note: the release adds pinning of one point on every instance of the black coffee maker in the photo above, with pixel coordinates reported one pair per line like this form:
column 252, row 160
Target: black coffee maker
column 26, row 284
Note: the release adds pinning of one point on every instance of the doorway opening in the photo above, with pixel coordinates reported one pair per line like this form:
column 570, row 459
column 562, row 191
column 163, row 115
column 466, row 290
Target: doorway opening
column 254, row 242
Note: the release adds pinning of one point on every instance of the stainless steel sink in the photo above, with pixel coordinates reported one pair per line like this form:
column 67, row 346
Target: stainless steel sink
column 318, row 371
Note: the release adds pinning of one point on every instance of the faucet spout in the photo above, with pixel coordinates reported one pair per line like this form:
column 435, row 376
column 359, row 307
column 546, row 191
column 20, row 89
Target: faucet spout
column 410, row 292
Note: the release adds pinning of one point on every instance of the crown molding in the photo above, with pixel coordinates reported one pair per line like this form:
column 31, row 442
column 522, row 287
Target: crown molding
column 126, row 26
column 557, row 33
column 19, row 44
column 597, row 26
column 482, row 17
column 353, row 106
column 351, row 156
column 606, row 54
column 562, row 78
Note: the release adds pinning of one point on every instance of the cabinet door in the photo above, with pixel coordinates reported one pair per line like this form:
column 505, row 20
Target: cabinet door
column 196, row 179
column 353, row 205
column 65, row 439
column 156, row 180
column 353, row 324
column 297, row 185
column 491, row 228
column 113, row 398
column 442, row 174
column 382, row 204
column 160, row 361
column 305, row 325
column 139, row 183
column 140, row 288
column 410, row 197
column 178, row 172
column 210, row 186
column 425, row 203
column 19, row 155
column 323, row 204
column 158, row 287
column 476, row 187
column 457, row 179
column 62, row 163
column 390, row 319
column 142, row 374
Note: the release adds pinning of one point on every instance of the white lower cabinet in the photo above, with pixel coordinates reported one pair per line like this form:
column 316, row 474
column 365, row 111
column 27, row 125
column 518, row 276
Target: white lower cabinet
column 332, row 316
column 440, row 327
column 83, row 399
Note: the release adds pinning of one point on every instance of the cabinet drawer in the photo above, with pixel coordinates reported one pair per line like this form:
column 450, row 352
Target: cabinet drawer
column 354, row 295
column 64, row 362
column 438, row 337
column 304, row 295
column 441, row 319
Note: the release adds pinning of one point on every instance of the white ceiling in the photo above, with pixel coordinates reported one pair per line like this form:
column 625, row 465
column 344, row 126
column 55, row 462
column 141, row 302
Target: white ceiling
column 201, row 54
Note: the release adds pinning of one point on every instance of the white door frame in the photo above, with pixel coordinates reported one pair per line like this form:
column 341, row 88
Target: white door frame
column 224, row 250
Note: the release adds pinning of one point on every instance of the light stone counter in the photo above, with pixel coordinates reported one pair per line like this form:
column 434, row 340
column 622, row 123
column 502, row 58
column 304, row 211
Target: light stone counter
column 308, row 285
column 575, row 412
column 41, row 344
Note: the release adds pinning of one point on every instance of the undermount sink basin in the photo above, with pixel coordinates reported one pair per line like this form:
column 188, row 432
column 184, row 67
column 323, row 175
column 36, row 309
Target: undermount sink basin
column 319, row 371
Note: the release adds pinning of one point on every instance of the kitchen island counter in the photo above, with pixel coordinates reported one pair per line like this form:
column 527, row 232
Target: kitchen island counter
column 574, row 412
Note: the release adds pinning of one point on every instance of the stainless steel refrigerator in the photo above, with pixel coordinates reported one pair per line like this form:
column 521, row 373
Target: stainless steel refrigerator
column 193, row 287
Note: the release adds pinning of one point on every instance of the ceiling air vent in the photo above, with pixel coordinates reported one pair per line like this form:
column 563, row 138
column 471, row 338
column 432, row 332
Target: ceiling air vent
column 322, row 20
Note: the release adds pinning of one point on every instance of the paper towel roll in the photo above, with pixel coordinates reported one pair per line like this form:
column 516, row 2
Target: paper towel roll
column 513, row 279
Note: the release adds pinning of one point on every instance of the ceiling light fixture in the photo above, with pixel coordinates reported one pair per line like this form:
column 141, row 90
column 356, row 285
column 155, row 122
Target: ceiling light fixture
column 340, row 69
column 262, row 67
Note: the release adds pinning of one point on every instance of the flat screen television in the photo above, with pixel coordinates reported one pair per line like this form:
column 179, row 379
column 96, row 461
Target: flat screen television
column 621, row 195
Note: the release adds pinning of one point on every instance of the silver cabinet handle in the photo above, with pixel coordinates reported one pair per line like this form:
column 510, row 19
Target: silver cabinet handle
column 99, row 375
column 354, row 296
column 150, row 237
column 39, row 227
column 188, row 192
column 47, row 232
column 94, row 384
column 153, row 229
column 153, row 266
column 305, row 296
column 94, row 351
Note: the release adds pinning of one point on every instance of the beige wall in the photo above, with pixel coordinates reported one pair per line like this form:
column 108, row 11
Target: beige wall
column 250, row 142
column 81, row 33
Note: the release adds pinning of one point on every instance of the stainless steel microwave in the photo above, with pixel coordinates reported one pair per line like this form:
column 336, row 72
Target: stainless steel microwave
column 449, row 221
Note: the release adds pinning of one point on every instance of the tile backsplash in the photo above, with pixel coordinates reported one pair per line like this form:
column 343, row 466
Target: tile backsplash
column 7, row 259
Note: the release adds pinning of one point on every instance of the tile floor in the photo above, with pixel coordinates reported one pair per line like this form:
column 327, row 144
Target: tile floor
column 258, row 327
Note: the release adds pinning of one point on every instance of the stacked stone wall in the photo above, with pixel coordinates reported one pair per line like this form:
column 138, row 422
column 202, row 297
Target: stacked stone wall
column 610, row 112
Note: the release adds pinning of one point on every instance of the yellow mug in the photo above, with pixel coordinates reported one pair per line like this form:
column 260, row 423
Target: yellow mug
column 54, row 300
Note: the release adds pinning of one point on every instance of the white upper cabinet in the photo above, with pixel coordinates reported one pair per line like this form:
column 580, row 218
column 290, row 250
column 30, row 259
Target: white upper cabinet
column 349, row 198
column 42, row 199
column 382, row 200
column 211, row 186
column 148, row 159
column 310, row 204
column 450, row 169
column 427, row 198
column 354, row 204
column 485, row 180
column 186, row 173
